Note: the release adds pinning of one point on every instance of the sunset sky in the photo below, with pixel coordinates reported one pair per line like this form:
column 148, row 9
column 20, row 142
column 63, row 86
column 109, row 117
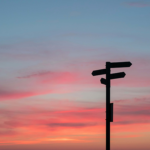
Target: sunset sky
column 48, row 98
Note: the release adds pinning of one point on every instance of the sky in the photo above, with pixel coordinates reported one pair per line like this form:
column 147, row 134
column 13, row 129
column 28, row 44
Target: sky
column 48, row 98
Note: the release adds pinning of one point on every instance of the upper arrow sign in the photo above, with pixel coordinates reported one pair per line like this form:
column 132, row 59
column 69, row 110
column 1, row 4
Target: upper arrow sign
column 99, row 72
column 117, row 75
column 120, row 64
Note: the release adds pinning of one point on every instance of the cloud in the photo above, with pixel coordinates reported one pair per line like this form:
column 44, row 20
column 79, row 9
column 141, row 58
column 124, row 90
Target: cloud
column 11, row 94
column 17, row 142
column 132, row 111
column 71, row 124
column 30, row 52
column 53, row 77
column 37, row 74
column 8, row 132
column 38, row 123
column 76, row 118
column 134, row 76
column 138, row 4
column 138, row 111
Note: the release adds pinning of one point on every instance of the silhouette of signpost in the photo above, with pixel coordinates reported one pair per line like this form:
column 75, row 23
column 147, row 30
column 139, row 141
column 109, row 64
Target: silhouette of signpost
column 109, row 106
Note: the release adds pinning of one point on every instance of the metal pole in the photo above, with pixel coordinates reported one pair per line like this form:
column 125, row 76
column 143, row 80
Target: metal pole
column 107, row 105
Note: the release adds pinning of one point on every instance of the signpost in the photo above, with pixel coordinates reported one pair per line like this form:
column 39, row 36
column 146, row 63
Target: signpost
column 109, row 106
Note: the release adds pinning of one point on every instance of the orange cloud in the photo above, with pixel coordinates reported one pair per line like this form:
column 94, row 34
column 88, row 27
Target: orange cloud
column 30, row 124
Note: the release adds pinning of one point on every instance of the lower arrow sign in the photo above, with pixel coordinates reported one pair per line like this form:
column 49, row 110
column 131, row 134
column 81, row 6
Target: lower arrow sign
column 103, row 81
column 117, row 75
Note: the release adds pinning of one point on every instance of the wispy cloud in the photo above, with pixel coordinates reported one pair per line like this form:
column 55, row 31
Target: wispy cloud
column 138, row 4
column 53, row 77
column 42, row 73
column 11, row 94
column 71, row 124
column 135, row 111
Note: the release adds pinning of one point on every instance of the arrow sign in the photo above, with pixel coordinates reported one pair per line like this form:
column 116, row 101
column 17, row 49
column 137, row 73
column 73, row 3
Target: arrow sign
column 117, row 75
column 103, row 81
column 99, row 72
column 120, row 64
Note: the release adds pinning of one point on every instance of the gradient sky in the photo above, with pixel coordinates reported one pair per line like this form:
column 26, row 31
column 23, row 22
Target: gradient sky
column 48, row 98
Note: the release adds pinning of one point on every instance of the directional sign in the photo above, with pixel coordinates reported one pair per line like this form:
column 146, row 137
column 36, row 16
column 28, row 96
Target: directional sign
column 103, row 81
column 99, row 72
column 109, row 76
column 117, row 75
column 120, row 64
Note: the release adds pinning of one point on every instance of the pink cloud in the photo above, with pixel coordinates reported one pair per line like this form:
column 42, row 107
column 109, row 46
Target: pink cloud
column 37, row 74
column 78, row 71
column 42, row 82
column 4, row 95
column 39, row 123
column 18, row 94
column 125, row 112
column 53, row 77
column 46, row 82
column 129, row 112
column 8, row 132
column 138, row 4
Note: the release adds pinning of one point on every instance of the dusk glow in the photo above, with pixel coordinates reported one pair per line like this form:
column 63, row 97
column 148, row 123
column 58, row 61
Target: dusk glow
column 48, row 98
